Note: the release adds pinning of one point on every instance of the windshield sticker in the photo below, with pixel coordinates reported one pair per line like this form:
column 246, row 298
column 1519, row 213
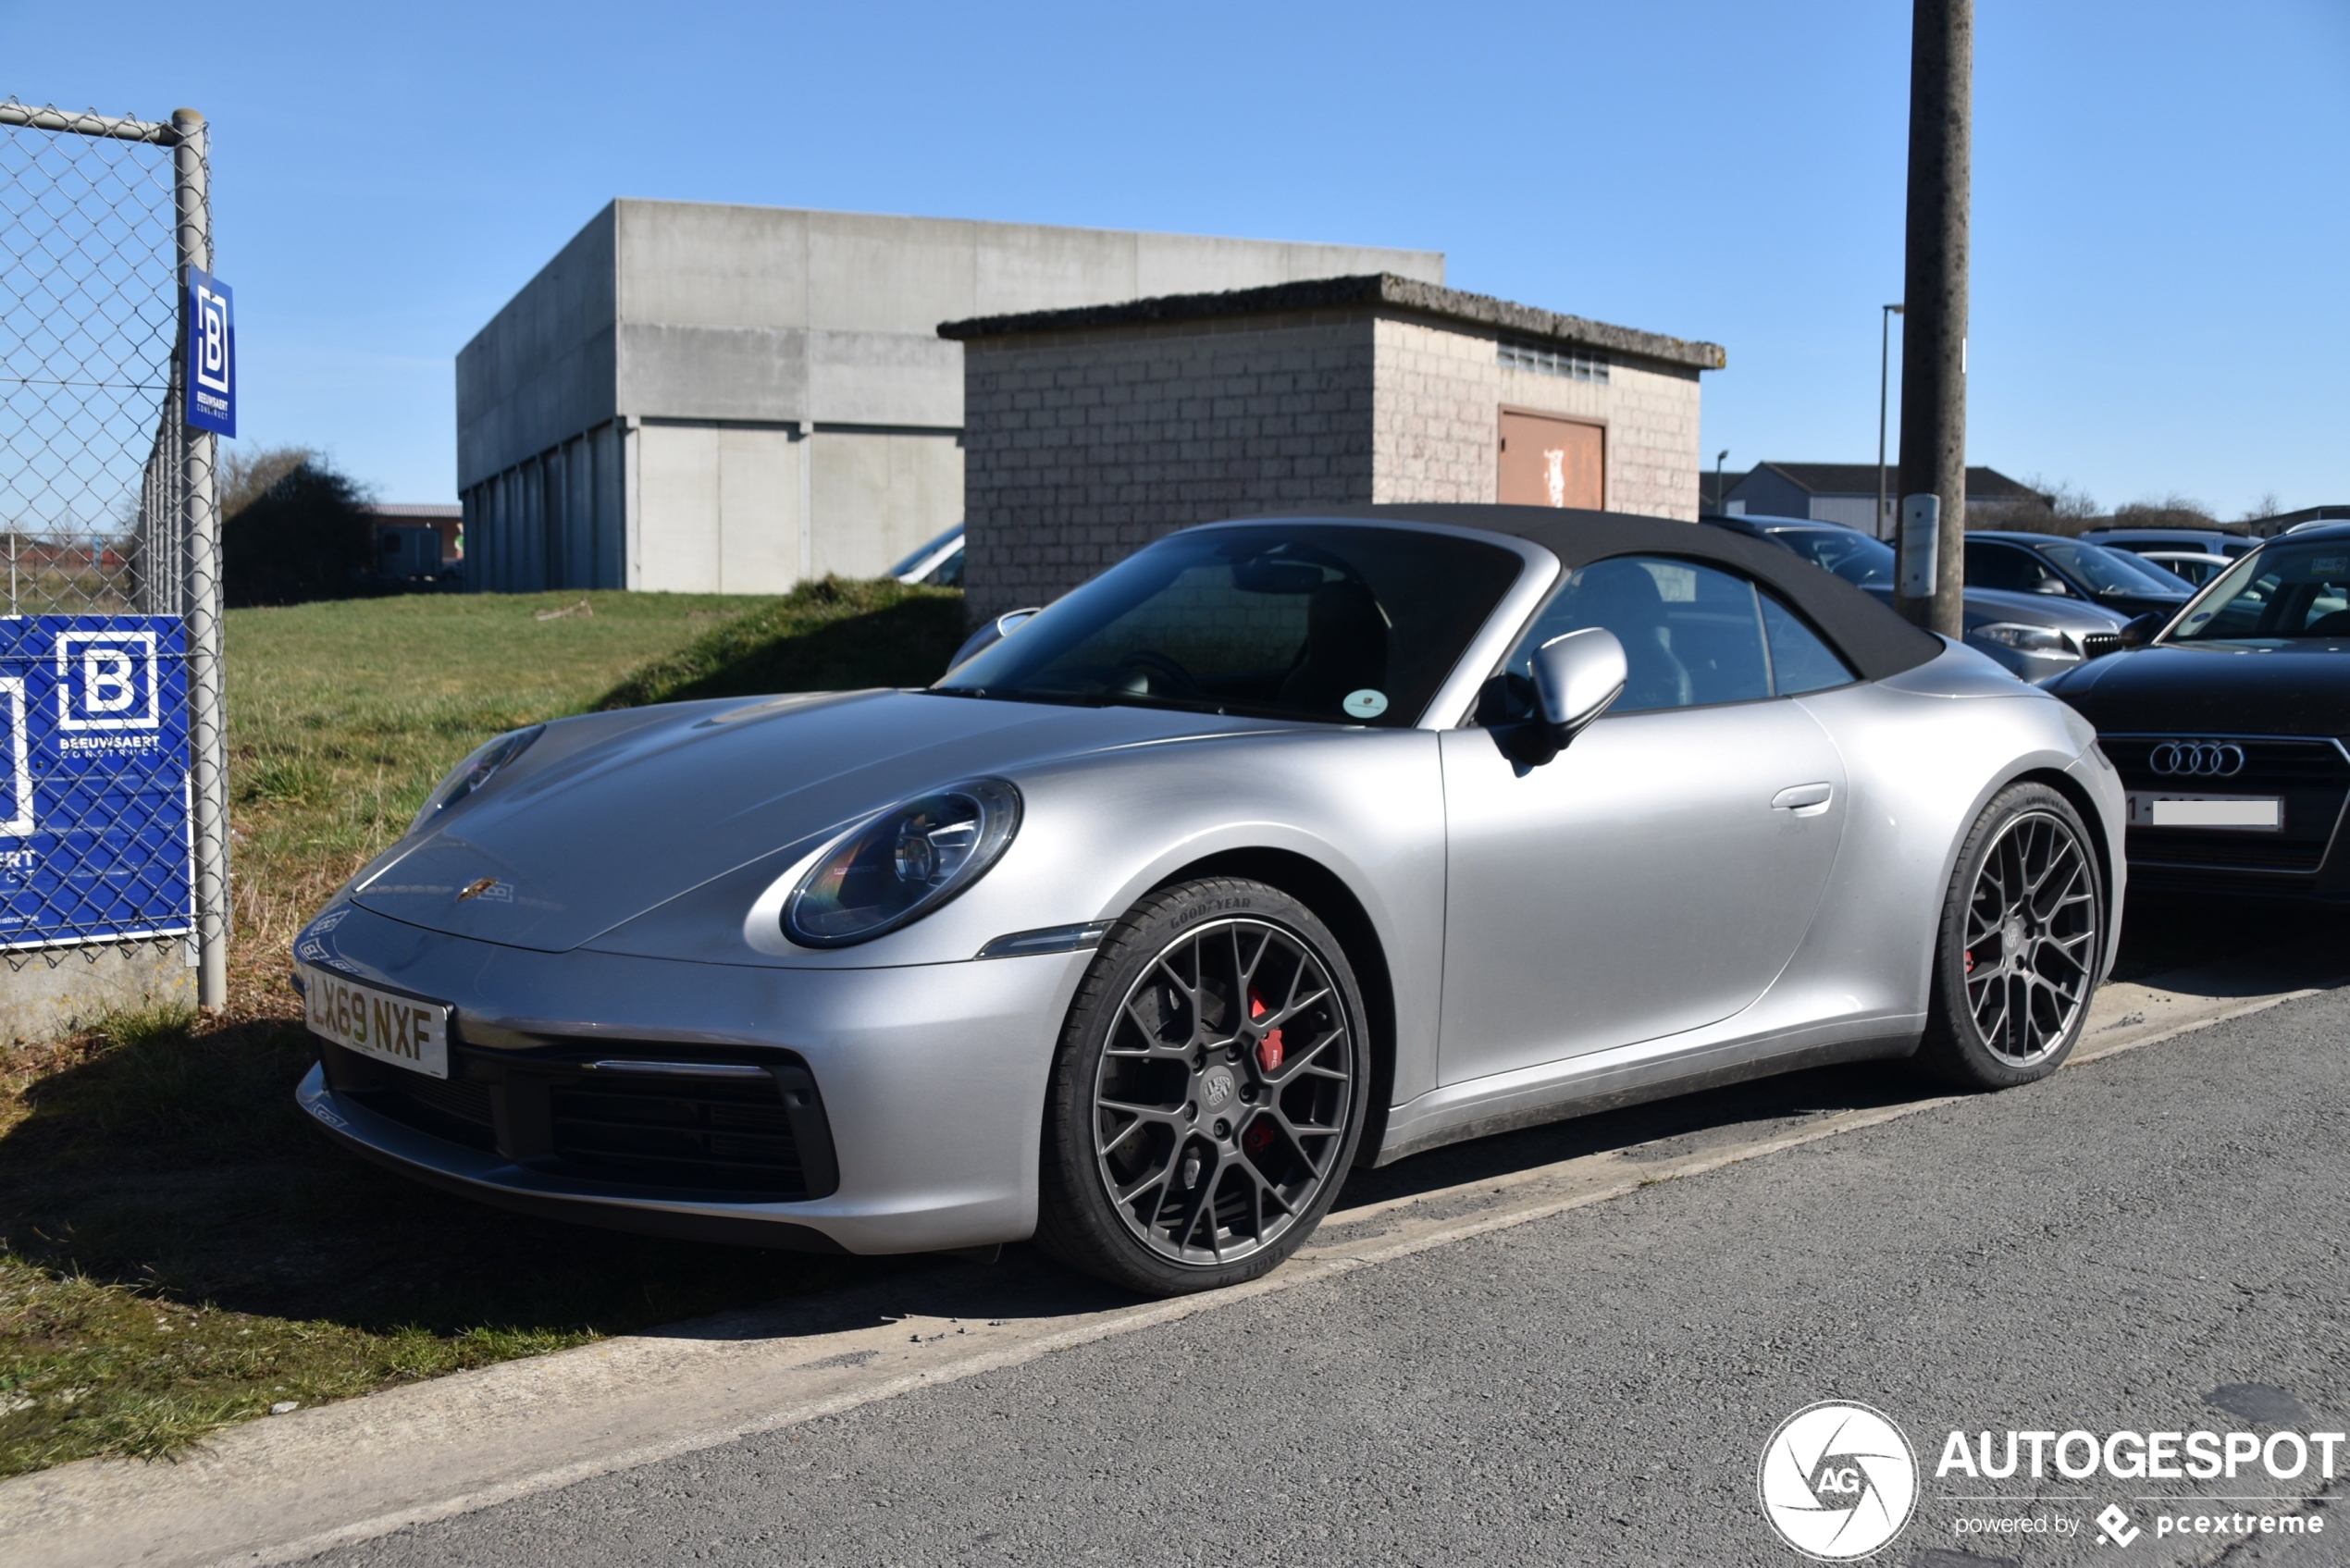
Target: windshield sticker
column 1366, row 703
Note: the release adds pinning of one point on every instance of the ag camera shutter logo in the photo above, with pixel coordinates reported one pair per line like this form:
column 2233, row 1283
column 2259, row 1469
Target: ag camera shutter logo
column 1837, row 1481
column 107, row 681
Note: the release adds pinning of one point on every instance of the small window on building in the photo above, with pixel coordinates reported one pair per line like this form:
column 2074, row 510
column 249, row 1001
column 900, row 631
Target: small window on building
column 1573, row 364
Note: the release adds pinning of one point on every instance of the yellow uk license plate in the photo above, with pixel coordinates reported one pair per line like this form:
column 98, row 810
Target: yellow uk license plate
column 403, row 1030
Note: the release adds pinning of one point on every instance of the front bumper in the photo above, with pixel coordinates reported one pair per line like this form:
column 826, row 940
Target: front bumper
column 932, row 1079
column 2302, row 862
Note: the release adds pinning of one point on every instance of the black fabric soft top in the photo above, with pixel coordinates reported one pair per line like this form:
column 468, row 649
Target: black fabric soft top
column 1875, row 640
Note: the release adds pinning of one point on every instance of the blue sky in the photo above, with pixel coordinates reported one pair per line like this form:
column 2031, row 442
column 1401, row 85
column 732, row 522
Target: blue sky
column 2161, row 236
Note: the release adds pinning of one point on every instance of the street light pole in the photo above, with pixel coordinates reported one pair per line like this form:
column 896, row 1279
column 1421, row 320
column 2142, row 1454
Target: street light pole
column 1930, row 583
column 1720, row 505
column 1883, row 358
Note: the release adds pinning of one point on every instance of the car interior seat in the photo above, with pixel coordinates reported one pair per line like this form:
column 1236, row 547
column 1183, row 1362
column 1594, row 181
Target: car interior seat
column 1346, row 648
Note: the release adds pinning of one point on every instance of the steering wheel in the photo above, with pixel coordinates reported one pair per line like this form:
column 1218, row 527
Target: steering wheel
column 1183, row 682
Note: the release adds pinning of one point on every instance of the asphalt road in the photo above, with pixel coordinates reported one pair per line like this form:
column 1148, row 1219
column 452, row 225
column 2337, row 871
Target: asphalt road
column 2100, row 1252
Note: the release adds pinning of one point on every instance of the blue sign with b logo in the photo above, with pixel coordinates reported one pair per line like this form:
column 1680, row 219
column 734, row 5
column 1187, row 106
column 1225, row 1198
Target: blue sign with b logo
column 94, row 779
column 211, row 370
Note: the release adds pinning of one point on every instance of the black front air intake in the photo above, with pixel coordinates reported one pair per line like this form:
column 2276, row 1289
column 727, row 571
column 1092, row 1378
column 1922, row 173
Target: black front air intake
column 623, row 1116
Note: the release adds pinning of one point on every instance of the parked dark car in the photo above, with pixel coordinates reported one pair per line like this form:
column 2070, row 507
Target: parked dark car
column 2226, row 728
column 2060, row 568
column 2033, row 636
column 2161, row 541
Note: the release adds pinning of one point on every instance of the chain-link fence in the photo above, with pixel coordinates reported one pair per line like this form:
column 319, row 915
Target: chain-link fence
column 113, row 806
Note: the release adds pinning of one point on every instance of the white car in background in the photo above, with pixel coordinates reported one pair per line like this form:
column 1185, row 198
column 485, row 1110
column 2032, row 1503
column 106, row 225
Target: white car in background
column 939, row 562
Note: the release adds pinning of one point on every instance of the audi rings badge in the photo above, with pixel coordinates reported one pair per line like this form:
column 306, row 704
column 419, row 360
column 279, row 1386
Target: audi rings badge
column 2198, row 759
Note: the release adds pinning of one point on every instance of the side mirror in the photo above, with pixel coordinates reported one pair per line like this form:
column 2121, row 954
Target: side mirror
column 2134, row 633
column 1576, row 677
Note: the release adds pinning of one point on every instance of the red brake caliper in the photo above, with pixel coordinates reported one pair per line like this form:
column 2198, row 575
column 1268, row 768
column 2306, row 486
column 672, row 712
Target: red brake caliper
column 1269, row 1051
column 1269, row 1054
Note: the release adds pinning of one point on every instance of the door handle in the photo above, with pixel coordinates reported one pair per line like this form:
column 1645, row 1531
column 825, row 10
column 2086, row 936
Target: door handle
column 1808, row 799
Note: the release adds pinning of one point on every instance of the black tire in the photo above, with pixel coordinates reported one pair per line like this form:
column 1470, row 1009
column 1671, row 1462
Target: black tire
column 2021, row 945
column 1209, row 1091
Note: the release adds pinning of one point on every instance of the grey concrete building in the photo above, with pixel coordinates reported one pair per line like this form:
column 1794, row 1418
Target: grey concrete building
column 1092, row 431
column 730, row 399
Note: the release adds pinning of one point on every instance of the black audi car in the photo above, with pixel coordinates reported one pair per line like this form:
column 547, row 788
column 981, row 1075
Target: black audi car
column 2229, row 728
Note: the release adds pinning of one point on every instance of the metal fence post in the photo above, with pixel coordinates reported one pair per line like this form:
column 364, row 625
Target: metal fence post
column 208, row 701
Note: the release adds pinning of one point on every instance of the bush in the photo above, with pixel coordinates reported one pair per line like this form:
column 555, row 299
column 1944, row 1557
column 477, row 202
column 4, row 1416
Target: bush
column 2171, row 512
column 307, row 535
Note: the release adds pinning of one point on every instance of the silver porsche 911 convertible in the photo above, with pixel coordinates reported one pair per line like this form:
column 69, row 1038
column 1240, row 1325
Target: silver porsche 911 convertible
column 1282, row 847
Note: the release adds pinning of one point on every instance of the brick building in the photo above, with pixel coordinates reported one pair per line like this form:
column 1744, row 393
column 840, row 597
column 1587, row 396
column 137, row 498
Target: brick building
column 1091, row 431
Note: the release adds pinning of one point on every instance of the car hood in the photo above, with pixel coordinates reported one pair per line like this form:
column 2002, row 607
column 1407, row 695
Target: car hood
column 2213, row 690
column 607, row 816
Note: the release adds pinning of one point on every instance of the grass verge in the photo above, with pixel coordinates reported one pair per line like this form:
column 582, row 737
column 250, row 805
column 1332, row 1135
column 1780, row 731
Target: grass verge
column 179, row 1248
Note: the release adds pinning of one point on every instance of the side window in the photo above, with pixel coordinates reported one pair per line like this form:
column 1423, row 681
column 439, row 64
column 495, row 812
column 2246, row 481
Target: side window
column 1990, row 564
column 1800, row 660
column 1693, row 635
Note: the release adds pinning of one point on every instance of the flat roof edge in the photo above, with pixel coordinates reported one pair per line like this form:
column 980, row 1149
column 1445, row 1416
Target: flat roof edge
column 1370, row 291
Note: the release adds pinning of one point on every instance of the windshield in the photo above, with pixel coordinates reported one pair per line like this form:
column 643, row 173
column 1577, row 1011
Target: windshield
column 1852, row 556
column 1346, row 624
column 2113, row 571
column 2284, row 591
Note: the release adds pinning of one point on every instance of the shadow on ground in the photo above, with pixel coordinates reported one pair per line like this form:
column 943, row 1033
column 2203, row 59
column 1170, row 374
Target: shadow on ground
column 181, row 1168
column 827, row 635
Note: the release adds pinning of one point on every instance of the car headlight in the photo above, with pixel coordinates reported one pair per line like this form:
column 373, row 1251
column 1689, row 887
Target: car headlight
column 475, row 771
column 898, row 867
column 2028, row 639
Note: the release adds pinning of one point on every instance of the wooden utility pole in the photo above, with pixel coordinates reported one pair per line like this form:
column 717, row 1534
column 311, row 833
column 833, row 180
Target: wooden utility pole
column 1930, row 583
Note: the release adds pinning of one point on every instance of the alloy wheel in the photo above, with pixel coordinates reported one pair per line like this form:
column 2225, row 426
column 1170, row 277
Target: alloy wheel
column 1225, row 1086
column 2032, row 944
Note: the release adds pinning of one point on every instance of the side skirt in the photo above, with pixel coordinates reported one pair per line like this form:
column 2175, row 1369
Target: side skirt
column 1637, row 1085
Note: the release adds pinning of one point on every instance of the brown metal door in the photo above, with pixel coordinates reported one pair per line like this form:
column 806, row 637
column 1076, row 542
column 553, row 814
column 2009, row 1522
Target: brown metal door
column 1552, row 462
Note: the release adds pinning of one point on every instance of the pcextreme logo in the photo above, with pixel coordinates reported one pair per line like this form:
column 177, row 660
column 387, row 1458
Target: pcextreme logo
column 1837, row 1480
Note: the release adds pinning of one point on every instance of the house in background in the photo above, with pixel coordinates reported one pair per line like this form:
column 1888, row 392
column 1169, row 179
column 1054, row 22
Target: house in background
column 415, row 541
column 2269, row 527
column 1847, row 493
